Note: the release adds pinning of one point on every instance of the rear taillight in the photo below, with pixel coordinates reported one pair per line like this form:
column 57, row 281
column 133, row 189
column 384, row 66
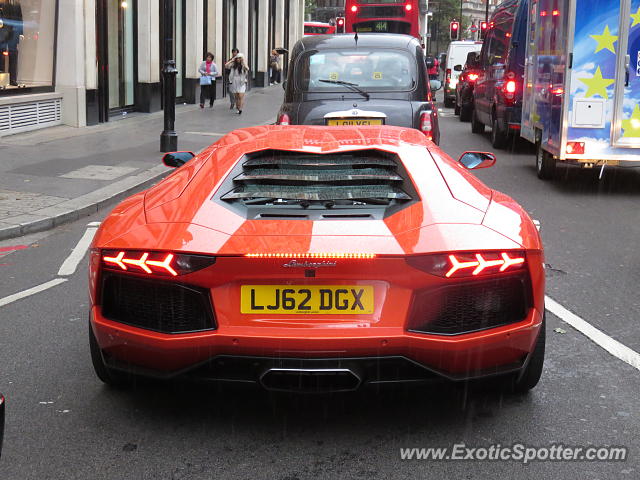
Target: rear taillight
column 447, row 76
column 472, row 77
column 510, row 87
column 469, row 264
column 154, row 263
column 408, row 7
column 575, row 148
column 425, row 125
column 283, row 119
column 358, row 256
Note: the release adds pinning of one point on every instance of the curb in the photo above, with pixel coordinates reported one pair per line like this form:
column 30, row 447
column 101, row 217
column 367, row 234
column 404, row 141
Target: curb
column 73, row 209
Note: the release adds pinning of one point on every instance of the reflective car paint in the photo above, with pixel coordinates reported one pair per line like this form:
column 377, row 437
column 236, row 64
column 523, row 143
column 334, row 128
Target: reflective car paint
column 456, row 212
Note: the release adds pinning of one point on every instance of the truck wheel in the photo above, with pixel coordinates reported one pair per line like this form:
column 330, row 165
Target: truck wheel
column 545, row 163
column 465, row 113
column 476, row 125
column 499, row 139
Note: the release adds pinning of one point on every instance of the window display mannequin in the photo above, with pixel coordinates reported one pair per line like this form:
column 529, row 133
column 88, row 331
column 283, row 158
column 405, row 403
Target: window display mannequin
column 11, row 32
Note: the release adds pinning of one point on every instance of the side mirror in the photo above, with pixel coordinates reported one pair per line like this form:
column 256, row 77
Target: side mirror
column 475, row 160
column 177, row 159
column 457, row 68
column 435, row 85
column 281, row 51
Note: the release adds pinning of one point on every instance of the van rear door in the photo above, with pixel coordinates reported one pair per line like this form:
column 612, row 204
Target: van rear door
column 626, row 124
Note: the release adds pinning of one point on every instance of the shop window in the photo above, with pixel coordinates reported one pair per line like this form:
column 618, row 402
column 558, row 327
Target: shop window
column 27, row 45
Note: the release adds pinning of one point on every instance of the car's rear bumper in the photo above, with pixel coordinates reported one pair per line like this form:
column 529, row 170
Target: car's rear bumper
column 454, row 357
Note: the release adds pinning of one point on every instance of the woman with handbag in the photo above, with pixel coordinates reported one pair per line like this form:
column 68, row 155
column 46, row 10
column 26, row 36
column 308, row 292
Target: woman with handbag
column 239, row 78
column 208, row 73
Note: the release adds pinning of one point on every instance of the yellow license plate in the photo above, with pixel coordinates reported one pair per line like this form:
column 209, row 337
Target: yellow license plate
column 307, row 299
column 354, row 121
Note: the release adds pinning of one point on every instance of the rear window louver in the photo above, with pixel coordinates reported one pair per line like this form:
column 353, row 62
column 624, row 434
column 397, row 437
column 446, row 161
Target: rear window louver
column 364, row 174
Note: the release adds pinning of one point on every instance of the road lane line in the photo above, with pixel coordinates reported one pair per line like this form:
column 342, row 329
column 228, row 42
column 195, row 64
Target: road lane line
column 69, row 266
column 13, row 248
column 207, row 134
column 31, row 291
column 612, row 346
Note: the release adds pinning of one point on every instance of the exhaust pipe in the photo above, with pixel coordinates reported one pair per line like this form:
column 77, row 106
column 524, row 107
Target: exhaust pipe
column 310, row 380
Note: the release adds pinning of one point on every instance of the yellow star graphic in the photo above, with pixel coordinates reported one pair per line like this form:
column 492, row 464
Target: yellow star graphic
column 606, row 40
column 631, row 126
column 597, row 85
column 636, row 18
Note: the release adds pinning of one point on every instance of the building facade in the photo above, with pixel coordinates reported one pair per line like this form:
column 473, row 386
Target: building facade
column 475, row 11
column 80, row 62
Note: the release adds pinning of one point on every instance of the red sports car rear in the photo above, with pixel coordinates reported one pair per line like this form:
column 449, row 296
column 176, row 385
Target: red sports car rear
column 315, row 259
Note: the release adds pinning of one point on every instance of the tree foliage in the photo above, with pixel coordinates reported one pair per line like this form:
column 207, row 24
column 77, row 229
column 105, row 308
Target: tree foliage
column 444, row 12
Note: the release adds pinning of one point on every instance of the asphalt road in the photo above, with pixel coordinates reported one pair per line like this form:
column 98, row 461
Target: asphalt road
column 64, row 424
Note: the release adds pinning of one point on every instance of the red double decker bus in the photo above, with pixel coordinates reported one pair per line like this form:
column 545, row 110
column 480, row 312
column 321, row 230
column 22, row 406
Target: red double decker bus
column 383, row 16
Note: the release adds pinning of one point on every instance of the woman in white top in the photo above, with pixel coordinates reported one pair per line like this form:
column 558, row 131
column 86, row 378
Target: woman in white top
column 239, row 78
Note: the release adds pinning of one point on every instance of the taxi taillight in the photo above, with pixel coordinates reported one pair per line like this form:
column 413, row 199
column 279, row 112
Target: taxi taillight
column 425, row 125
column 284, row 119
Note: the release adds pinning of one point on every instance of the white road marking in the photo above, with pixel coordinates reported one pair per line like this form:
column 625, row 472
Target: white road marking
column 69, row 266
column 207, row 134
column 612, row 346
column 31, row 291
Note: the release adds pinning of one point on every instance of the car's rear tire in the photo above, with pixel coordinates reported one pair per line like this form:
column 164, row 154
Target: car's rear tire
column 545, row 163
column 107, row 375
column 476, row 125
column 465, row 113
column 448, row 103
column 526, row 379
column 499, row 139
column 530, row 377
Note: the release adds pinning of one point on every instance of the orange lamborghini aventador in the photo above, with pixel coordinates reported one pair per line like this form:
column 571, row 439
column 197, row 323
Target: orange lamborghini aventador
column 319, row 259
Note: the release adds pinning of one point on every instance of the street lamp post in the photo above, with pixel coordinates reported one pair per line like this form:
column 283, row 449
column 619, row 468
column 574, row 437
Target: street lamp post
column 169, row 137
column 486, row 11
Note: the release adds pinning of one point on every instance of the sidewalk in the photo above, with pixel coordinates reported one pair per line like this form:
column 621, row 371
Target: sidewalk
column 60, row 174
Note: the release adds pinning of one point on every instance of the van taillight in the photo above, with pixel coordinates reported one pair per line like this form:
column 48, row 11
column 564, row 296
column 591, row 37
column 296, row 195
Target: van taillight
column 283, row 119
column 425, row 125
column 510, row 87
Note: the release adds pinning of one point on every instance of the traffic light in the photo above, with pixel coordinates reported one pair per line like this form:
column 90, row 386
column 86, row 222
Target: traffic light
column 454, row 30
column 484, row 26
column 340, row 25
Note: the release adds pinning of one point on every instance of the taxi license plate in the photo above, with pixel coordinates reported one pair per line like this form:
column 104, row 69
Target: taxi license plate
column 354, row 121
column 307, row 299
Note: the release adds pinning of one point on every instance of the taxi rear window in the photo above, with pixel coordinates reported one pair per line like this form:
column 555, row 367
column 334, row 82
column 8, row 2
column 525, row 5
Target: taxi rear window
column 370, row 70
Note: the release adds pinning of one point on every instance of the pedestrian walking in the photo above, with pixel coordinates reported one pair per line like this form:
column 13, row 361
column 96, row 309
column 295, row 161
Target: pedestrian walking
column 208, row 73
column 239, row 78
column 274, row 65
column 227, row 73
